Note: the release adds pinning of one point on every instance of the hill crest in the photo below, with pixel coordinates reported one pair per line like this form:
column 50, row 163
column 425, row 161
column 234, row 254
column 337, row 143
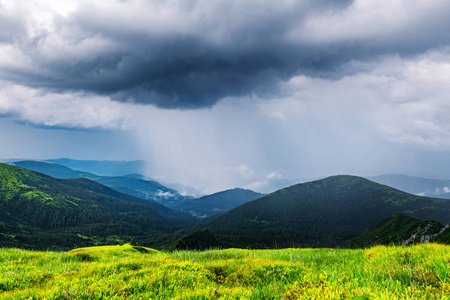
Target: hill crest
column 320, row 213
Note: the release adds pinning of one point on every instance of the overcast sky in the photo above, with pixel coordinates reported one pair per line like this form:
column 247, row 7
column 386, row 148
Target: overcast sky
column 221, row 94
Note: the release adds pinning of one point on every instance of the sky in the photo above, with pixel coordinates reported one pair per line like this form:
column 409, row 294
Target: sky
column 222, row 94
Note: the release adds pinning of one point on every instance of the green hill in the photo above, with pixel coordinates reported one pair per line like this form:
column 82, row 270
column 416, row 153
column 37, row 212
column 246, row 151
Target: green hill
column 197, row 240
column 400, row 230
column 121, row 249
column 38, row 211
column 217, row 203
column 321, row 213
column 177, row 218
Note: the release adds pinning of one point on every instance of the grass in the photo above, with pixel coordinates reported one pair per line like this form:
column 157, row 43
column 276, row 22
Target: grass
column 130, row 272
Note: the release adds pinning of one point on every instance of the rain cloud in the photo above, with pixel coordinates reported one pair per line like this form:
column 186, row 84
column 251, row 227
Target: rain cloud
column 192, row 54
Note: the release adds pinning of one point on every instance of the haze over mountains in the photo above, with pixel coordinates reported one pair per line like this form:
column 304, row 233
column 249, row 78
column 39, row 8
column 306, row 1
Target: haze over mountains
column 136, row 185
column 438, row 188
column 131, row 184
column 38, row 211
column 105, row 167
column 217, row 203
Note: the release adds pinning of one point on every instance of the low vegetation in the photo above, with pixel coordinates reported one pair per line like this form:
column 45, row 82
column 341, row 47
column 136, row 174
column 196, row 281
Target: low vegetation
column 131, row 272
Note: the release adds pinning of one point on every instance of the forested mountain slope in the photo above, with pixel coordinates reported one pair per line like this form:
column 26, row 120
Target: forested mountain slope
column 39, row 211
column 131, row 185
column 402, row 230
column 321, row 213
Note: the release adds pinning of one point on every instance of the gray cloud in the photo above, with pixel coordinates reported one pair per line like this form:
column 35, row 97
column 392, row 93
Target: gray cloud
column 192, row 54
column 51, row 110
column 10, row 28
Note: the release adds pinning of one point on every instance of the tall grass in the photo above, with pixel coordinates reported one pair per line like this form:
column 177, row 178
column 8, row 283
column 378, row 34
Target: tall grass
column 119, row 272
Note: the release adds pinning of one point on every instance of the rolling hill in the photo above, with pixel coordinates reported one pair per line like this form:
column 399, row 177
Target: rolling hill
column 323, row 213
column 217, row 203
column 38, row 211
column 132, row 184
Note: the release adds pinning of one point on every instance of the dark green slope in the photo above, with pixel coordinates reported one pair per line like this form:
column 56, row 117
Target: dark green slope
column 175, row 217
column 38, row 211
column 197, row 240
column 398, row 230
column 321, row 213
column 131, row 185
column 217, row 203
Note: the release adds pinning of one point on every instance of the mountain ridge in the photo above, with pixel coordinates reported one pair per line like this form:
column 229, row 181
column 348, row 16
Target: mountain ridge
column 217, row 203
column 40, row 211
column 320, row 213
column 129, row 184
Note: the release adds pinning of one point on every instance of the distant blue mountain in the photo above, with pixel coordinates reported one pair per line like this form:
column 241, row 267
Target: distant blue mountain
column 132, row 184
column 105, row 167
column 217, row 203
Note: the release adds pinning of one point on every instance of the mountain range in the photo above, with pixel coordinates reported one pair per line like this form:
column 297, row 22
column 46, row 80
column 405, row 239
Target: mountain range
column 42, row 212
column 39, row 211
column 105, row 167
column 139, row 186
column 132, row 184
column 217, row 203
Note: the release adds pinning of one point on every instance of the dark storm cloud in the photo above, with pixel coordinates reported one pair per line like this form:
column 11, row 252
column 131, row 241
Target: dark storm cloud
column 191, row 56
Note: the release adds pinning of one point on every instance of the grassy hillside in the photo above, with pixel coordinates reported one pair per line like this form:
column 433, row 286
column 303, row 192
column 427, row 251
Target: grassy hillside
column 320, row 213
column 38, row 211
column 217, row 203
column 121, row 272
column 113, row 250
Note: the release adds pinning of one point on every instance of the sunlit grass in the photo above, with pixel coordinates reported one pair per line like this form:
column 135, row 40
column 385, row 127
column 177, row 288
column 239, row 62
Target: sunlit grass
column 124, row 272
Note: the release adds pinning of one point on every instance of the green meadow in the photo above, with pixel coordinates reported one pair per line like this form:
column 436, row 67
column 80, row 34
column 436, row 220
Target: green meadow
column 130, row 272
